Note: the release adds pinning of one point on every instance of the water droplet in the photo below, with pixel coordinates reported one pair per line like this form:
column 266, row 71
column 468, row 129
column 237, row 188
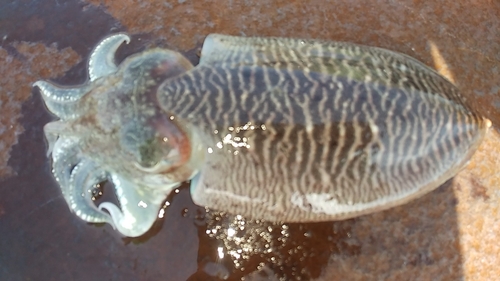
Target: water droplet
column 184, row 212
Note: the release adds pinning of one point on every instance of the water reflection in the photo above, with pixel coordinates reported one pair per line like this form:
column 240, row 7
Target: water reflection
column 233, row 248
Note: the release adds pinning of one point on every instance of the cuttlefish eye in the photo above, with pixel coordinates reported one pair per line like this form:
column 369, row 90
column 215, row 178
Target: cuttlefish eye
column 153, row 150
column 168, row 147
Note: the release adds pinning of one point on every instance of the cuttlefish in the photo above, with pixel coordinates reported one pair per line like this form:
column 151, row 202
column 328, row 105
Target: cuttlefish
column 285, row 130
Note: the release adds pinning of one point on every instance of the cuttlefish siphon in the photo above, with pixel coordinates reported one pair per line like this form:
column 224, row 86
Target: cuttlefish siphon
column 278, row 129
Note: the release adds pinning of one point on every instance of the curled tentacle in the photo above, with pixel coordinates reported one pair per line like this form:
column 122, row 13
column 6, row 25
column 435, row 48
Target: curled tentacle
column 52, row 132
column 139, row 209
column 102, row 62
column 62, row 101
column 83, row 178
column 65, row 156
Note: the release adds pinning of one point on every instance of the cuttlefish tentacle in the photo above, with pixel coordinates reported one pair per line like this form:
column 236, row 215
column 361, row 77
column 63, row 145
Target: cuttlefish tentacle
column 65, row 156
column 139, row 209
column 62, row 101
column 84, row 177
column 52, row 133
column 102, row 59
column 77, row 177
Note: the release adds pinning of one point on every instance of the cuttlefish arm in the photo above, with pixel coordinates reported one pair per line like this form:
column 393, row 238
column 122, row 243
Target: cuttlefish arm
column 102, row 59
column 84, row 178
column 111, row 129
column 64, row 102
column 77, row 178
column 139, row 206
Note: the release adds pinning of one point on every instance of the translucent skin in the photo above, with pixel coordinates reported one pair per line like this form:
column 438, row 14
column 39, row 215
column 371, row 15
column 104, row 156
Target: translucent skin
column 111, row 129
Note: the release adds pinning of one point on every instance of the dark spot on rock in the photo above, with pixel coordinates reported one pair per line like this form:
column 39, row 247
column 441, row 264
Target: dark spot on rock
column 478, row 190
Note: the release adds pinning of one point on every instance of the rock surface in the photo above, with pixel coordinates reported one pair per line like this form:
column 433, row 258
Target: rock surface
column 449, row 234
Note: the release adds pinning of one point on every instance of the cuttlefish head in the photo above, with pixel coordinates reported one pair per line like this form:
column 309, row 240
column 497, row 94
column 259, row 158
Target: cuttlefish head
column 145, row 151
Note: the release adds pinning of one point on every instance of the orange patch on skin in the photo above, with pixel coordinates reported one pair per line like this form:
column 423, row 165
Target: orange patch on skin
column 177, row 138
